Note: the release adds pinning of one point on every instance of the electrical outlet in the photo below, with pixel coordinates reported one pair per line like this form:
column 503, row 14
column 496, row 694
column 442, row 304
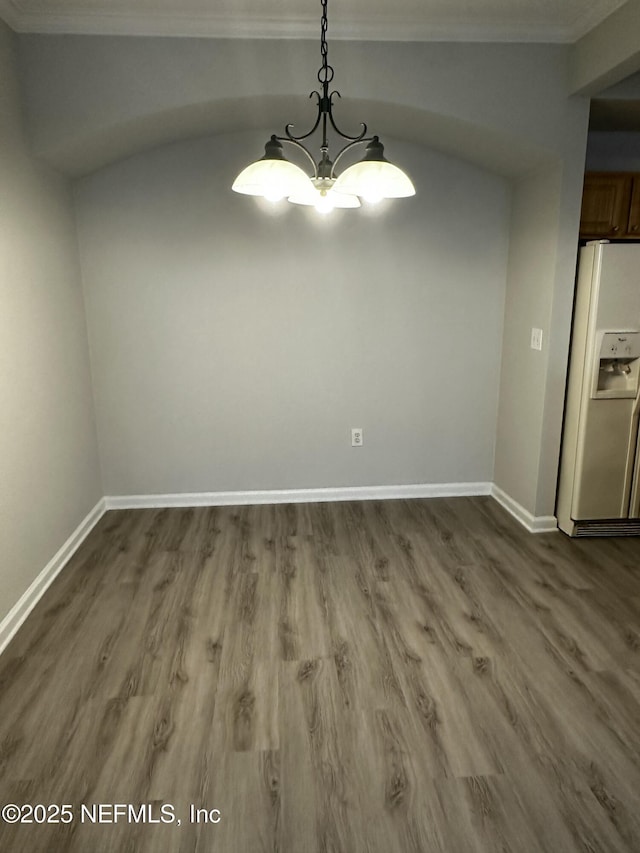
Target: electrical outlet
column 357, row 437
column 536, row 339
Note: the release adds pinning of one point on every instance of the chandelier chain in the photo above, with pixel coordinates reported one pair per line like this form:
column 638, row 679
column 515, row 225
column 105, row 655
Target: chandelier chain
column 324, row 168
column 325, row 73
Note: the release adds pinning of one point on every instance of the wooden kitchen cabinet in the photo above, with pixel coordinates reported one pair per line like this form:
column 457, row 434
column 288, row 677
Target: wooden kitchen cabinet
column 610, row 206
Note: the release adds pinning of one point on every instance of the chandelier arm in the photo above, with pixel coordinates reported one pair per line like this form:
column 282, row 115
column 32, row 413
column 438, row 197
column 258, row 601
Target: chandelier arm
column 290, row 135
column 359, row 137
column 358, row 141
column 292, row 140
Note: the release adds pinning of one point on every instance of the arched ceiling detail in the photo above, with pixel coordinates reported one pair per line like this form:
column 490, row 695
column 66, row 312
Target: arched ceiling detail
column 482, row 146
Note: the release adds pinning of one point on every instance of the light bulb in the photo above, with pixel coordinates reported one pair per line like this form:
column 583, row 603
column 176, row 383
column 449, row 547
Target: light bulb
column 324, row 204
column 372, row 197
column 273, row 194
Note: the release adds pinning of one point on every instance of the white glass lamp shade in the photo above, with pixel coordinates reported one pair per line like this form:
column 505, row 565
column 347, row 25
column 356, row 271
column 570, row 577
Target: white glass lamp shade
column 374, row 177
column 272, row 177
column 319, row 194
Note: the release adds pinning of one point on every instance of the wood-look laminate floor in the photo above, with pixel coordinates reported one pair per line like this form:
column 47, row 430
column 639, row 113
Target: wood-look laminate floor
column 381, row 677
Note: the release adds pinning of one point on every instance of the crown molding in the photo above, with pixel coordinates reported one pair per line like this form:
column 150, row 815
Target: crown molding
column 178, row 24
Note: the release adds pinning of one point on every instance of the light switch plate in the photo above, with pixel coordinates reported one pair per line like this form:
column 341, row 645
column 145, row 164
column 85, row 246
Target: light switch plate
column 536, row 339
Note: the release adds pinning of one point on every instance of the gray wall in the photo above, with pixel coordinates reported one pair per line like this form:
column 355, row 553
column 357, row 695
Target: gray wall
column 542, row 261
column 48, row 452
column 233, row 347
column 503, row 107
column 533, row 226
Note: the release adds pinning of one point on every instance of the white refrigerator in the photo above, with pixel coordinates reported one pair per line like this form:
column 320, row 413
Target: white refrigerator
column 599, row 483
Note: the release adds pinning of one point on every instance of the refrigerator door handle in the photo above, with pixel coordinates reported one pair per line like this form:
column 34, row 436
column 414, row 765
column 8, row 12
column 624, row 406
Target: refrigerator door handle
column 632, row 473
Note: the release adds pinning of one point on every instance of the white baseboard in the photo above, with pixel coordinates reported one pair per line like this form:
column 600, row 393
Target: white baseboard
column 279, row 496
column 533, row 523
column 19, row 612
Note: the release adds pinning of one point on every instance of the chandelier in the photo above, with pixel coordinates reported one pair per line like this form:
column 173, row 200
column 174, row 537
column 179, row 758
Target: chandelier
column 372, row 179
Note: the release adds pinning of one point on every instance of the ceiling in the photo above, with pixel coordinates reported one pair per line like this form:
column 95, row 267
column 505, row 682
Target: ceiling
column 406, row 20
